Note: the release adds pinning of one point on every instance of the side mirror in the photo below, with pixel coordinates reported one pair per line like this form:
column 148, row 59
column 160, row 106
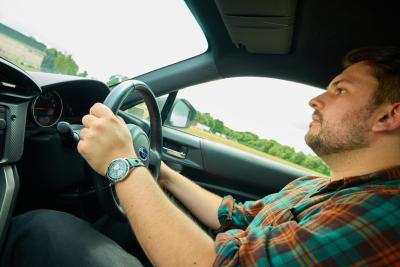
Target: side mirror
column 182, row 114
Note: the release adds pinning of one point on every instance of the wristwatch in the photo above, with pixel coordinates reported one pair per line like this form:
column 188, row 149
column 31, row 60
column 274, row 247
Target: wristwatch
column 120, row 168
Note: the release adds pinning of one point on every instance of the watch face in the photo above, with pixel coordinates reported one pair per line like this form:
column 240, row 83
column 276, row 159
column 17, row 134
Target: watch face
column 118, row 169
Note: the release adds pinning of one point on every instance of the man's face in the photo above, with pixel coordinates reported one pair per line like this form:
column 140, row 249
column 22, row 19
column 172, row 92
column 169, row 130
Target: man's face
column 342, row 117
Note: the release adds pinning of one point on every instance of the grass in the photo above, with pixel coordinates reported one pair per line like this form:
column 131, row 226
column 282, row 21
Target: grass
column 206, row 135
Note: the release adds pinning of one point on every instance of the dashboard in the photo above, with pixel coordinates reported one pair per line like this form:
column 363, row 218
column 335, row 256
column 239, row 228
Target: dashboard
column 32, row 153
column 46, row 152
column 63, row 99
column 16, row 90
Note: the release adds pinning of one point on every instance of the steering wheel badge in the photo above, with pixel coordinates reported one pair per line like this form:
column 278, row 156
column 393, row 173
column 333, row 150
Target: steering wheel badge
column 143, row 153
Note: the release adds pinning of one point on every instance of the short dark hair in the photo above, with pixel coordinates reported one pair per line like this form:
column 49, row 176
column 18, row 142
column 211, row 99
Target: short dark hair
column 385, row 62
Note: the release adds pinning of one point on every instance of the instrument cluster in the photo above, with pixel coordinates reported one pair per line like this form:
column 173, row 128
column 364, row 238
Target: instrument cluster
column 50, row 107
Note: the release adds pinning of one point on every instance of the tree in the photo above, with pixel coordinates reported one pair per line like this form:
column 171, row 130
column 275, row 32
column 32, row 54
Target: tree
column 316, row 164
column 55, row 61
column 209, row 120
column 298, row 158
column 48, row 60
column 116, row 78
column 201, row 118
column 257, row 144
column 218, row 127
column 268, row 146
column 65, row 64
column 288, row 152
column 83, row 74
column 246, row 137
column 275, row 150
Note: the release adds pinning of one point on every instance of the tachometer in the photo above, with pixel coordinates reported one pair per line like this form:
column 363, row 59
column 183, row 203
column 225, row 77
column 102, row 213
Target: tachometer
column 47, row 109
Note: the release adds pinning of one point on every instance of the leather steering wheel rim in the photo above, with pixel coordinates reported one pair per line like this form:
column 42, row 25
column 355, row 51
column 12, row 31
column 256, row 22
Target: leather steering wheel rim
column 104, row 190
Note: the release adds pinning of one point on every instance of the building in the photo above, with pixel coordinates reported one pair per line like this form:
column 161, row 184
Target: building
column 21, row 49
column 202, row 127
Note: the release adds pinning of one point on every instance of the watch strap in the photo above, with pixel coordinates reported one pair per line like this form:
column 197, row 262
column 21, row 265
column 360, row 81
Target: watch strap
column 133, row 163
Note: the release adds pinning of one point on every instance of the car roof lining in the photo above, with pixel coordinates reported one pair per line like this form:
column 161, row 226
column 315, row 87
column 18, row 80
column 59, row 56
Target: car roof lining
column 260, row 26
column 323, row 32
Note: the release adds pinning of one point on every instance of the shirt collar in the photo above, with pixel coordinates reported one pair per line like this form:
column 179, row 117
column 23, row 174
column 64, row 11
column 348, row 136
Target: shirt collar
column 391, row 173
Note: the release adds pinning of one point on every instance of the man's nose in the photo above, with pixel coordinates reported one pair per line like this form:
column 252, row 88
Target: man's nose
column 317, row 102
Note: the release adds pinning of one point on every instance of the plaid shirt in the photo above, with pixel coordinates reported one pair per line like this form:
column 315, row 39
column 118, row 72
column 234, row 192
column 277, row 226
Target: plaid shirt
column 314, row 222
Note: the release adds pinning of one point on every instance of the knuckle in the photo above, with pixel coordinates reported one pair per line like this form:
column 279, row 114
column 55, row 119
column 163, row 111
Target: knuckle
column 112, row 119
column 120, row 119
column 85, row 119
column 91, row 110
column 94, row 108
column 83, row 133
column 81, row 147
column 98, row 125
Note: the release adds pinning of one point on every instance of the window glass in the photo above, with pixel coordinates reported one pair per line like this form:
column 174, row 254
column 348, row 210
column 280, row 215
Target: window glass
column 267, row 117
column 107, row 40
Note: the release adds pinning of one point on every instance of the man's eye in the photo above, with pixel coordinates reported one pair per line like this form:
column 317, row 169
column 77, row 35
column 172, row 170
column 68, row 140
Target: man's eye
column 341, row 91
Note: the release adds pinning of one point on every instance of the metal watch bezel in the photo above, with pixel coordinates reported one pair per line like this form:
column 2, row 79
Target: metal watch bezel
column 131, row 163
column 119, row 161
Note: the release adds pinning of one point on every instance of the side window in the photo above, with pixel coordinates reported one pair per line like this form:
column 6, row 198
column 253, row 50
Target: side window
column 266, row 117
column 139, row 111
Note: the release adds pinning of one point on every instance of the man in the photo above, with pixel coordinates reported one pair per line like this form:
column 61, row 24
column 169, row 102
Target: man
column 355, row 130
column 351, row 218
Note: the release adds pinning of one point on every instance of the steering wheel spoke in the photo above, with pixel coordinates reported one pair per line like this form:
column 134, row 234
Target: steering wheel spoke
column 155, row 163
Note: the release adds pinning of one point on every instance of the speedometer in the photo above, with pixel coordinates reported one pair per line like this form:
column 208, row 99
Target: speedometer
column 47, row 109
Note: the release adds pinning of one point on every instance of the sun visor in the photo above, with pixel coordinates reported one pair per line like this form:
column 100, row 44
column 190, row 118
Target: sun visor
column 260, row 26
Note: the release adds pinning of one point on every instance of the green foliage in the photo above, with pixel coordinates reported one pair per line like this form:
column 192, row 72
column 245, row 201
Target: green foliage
column 246, row 137
column 298, row 157
column 315, row 163
column 57, row 62
column 48, row 60
column 83, row 74
column 268, row 146
column 218, row 126
column 116, row 78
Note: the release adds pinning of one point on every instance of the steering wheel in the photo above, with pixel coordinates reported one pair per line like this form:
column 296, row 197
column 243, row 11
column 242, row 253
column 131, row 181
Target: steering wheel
column 148, row 151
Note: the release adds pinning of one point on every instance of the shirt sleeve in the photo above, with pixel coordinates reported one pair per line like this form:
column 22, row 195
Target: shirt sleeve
column 234, row 215
column 237, row 215
column 360, row 229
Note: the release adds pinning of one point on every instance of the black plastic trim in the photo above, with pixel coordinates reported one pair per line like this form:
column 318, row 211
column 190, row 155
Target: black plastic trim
column 9, row 186
column 14, row 132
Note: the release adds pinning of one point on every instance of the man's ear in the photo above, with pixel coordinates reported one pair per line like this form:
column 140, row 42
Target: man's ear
column 388, row 119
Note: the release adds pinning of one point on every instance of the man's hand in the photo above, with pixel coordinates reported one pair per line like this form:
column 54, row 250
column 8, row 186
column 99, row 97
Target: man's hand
column 104, row 138
column 165, row 175
column 202, row 203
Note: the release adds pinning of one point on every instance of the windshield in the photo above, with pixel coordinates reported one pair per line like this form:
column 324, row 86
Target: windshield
column 106, row 40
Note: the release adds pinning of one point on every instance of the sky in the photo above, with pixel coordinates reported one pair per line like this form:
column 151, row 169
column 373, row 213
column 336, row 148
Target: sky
column 127, row 37
column 271, row 108
column 131, row 37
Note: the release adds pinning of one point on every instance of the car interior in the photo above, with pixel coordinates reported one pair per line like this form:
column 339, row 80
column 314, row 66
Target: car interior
column 294, row 40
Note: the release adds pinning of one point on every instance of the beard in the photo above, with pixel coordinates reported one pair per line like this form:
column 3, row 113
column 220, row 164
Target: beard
column 350, row 133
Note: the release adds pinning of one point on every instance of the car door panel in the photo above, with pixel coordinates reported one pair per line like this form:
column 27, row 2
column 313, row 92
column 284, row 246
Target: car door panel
column 186, row 144
column 225, row 170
